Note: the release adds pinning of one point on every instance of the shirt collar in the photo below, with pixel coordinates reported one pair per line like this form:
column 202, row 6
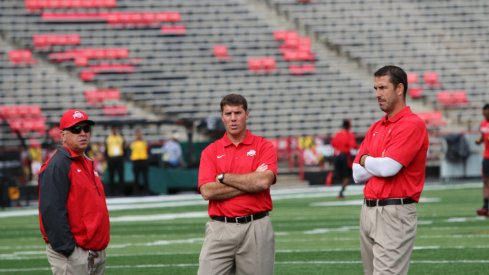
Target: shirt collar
column 71, row 153
column 404, row 112
column 247, row 140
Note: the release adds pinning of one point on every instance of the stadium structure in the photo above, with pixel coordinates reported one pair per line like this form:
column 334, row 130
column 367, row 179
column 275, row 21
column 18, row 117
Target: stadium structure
column 303, row 65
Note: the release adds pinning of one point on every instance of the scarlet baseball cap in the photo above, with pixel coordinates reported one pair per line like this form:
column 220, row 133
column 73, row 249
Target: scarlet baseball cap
column 72, row 117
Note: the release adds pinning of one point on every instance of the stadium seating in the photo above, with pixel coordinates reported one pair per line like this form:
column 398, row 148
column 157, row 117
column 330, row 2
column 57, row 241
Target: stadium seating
column 452, row 98
column 47, row 40
column 174, row 59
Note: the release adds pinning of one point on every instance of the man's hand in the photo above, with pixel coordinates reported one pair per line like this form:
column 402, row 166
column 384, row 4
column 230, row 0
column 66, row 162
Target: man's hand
column 262, row 168
column 362, row 160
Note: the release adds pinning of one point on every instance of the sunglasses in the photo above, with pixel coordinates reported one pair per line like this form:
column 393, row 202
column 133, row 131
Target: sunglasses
column 78, row 128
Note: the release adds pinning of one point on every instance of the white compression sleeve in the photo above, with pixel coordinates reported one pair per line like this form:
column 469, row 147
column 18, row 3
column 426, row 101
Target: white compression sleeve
column 360, row 174
column 382, row 167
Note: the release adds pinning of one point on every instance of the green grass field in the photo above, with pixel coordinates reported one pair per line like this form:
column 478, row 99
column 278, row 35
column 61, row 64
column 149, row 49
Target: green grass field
column 315, row 234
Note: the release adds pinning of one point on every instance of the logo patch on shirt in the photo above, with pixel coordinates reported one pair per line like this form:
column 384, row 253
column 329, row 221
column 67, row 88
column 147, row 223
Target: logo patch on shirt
column 220, row 156
column 251, row 153
column 95, row 173
column 78, row 170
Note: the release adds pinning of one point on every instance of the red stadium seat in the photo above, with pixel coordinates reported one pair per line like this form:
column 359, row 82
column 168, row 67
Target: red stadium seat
column 452, row 98
column 434, row 119
column 16, row 125
column 269, row 64
column 81, row 57
column 280, row 35
column 262, row 64
column 412, row 78
column 416, row 92
column 8, row 111
column 302, row 69
column 174, row 30
column 21, row 57
column 34, row 111
column 91, row 97
column 73, row 16
column 431, row 79
column 92, row 71
column 36, row 5
column 95, row 97
column 254, row 64
column 46, row 40
column 221, row 52
column 117, row 110
column 141, row 18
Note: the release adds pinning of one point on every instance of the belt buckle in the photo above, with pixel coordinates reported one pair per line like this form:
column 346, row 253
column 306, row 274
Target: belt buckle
column 244, row 218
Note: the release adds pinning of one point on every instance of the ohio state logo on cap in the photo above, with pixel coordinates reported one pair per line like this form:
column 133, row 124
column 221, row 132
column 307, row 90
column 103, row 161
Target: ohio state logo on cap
column 77, row 115
column 72, row 117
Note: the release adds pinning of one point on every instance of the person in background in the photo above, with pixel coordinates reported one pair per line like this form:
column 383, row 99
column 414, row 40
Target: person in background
column 391, row 162
column 484, row 139
column 114, row 152
column 73, row 215
column 235, row 176
column 343, row 142
column 140, row 164
column 171, row 152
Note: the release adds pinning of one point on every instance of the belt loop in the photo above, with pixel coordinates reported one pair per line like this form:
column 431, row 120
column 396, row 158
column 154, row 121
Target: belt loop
column 402, row 201
column 225, row 219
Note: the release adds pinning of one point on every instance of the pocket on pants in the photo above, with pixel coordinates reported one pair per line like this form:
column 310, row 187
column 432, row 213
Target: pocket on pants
column 79, row 259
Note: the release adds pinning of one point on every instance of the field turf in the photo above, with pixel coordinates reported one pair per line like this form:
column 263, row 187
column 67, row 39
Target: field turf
column 315, row 234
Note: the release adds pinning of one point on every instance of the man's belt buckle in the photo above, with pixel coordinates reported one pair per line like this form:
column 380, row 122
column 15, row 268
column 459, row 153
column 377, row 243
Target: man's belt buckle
column 242, row 219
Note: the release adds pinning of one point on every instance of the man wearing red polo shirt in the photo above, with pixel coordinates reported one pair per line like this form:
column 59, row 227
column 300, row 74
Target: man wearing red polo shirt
column 235, row 176
column 391, row 161
column 343, row 142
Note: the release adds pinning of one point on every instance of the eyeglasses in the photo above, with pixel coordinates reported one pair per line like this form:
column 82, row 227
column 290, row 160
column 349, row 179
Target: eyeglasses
column 78, row 128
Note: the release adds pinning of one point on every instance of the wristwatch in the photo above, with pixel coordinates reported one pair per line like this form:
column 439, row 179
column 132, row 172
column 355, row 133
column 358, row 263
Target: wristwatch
column 220, row 178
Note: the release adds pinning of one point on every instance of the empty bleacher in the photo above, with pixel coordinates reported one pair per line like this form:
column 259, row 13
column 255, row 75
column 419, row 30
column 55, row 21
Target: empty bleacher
column 161, row 58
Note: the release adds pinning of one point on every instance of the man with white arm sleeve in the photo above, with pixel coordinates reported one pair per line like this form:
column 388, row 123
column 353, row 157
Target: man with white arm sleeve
column 391, row 162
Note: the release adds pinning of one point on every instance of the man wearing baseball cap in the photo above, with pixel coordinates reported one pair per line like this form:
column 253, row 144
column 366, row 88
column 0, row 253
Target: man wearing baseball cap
column 73, row 214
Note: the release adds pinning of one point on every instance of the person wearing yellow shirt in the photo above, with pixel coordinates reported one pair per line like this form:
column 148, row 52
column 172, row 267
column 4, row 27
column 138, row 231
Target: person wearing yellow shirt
column 114, row 151
column 140, row 164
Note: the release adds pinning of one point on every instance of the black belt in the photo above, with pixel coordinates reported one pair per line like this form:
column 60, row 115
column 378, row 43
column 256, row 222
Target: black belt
column 384, row 202
column 241, row 220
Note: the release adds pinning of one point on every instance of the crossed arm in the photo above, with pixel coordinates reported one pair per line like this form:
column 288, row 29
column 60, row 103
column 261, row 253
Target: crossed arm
column 238, row 184
column 380, row 167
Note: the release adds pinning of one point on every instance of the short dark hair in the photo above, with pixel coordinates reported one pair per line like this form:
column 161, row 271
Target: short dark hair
column 346, row 124
column 397, row 75
column 234, row 100
column 486, row 106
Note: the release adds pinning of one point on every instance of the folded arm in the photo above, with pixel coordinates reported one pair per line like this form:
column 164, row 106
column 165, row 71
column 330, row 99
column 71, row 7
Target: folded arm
column 360, row 174
column 380, row 167
column 237, row 184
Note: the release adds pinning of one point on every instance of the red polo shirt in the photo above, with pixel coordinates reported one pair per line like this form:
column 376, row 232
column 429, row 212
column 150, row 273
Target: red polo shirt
column 484, row 128
column 343, row 141
column 223, row 156
column 403, row 138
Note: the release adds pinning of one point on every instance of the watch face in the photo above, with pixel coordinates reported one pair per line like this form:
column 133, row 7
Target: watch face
column 220, row 177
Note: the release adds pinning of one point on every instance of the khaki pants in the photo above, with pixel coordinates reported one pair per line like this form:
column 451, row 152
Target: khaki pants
column 76, row 264
column 387, row 236
column 241, row 249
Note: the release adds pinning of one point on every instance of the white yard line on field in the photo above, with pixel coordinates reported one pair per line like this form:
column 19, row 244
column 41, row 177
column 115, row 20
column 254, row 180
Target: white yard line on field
column 159, row 217
column 115, row 204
